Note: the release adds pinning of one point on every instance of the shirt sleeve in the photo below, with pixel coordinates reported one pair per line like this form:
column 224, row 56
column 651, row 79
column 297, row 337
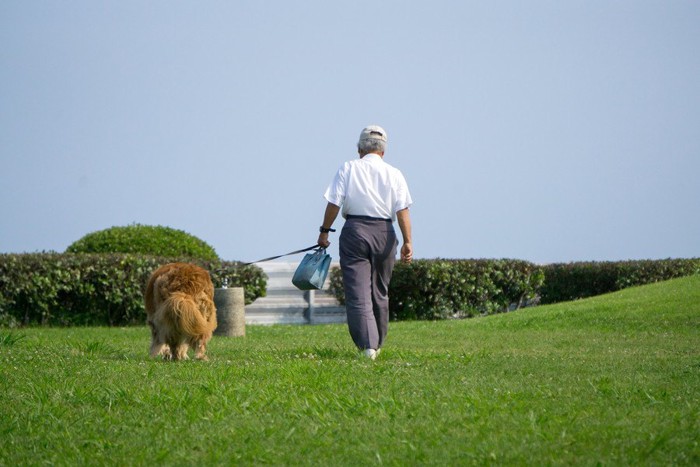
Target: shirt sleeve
column 335, row 193
column 403, row 195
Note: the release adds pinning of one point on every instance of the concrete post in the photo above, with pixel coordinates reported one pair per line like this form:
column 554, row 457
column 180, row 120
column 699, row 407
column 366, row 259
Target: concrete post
column 230, row 312
column 309, row 296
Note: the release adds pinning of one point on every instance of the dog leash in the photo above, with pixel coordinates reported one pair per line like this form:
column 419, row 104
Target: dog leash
column 313, row 247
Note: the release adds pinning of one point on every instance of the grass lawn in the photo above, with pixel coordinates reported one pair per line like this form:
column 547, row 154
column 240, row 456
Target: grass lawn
column 612, row 380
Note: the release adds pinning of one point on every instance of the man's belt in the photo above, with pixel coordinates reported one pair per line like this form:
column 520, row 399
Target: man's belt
column 367, row 218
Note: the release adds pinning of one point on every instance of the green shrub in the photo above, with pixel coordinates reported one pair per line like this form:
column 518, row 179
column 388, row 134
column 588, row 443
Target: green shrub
column 572, row 281
column 145, row 240
column 95, row 289
column 250, row 277
column 441, row 289
column 438, row 289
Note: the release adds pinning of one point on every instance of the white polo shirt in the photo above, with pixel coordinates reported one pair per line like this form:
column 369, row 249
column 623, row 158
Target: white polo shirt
column 369, row 187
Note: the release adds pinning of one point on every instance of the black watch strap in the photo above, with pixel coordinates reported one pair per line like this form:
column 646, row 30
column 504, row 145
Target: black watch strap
column 324, row 230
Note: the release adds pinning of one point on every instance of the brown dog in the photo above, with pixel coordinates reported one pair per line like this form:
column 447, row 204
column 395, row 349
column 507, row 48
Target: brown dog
column 180, row 308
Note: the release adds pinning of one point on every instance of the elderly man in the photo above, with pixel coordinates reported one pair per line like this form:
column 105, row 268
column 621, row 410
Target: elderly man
column 372, row 194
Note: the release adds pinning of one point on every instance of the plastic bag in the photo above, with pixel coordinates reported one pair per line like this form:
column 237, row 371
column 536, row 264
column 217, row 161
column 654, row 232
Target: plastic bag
column 312, row 271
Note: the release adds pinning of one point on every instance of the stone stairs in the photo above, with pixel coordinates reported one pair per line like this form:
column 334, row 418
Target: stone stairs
column 285, row 304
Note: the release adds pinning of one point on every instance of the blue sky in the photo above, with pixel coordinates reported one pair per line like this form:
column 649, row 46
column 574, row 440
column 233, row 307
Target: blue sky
column 545, row 131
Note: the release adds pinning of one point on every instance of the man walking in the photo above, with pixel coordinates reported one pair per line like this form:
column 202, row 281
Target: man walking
column 372, row 194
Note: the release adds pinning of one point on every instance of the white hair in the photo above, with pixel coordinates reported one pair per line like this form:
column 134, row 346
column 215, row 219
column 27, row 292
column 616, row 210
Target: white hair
column 371, row 145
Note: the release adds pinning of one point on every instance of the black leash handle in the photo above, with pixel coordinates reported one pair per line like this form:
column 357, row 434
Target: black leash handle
column 313, row 247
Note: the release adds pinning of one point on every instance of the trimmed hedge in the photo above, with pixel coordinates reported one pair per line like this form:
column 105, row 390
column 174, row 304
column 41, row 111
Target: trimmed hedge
column 441, row 289
column 97, row 289
column 572, row 281
column 92, row 289
column 145, row 240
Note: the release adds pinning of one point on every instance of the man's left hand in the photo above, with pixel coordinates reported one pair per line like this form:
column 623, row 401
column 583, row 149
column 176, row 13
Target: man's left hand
column 407, row 253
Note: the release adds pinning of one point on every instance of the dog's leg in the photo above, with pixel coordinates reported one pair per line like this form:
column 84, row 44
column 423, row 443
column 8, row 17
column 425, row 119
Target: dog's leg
column 201, row 349
column 158, row 347
column 164, row 350
column 179, row 351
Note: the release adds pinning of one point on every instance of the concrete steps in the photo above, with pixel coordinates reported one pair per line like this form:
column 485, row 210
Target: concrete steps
column 285, row 304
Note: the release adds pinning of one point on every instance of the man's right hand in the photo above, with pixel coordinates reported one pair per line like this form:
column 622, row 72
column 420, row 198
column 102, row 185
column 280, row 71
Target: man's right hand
column 323, row 240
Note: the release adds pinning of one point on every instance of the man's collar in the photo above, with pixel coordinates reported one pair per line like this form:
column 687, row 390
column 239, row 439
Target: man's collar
column 372, row 156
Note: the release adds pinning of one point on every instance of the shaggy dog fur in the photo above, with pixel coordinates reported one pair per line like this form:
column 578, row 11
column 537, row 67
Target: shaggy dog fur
column 180, row 308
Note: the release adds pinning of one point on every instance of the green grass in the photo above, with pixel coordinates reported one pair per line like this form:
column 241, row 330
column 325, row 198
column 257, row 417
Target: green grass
column 613, row 380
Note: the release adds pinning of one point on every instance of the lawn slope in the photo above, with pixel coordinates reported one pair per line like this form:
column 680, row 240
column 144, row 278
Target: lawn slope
column 612, row 380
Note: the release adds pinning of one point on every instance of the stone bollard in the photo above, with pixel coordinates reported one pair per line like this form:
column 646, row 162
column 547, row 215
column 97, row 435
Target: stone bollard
column 230, row 312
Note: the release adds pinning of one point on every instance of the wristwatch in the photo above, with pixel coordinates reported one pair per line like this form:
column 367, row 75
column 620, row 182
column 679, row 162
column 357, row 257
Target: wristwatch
column 324, row 230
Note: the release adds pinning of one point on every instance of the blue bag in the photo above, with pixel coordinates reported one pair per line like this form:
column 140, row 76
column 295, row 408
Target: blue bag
column 312, row 271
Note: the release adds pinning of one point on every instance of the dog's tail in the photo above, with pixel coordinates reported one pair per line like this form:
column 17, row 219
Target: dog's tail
column 184, row 315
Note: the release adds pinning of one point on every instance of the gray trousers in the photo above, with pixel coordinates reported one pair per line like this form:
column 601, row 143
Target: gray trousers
column 367, row 257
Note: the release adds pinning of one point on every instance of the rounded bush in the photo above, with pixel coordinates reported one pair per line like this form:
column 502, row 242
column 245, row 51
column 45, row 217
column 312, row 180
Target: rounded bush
column 145, row 240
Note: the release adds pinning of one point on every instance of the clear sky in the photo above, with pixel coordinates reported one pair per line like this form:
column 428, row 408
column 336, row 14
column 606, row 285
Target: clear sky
column 548, row 131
